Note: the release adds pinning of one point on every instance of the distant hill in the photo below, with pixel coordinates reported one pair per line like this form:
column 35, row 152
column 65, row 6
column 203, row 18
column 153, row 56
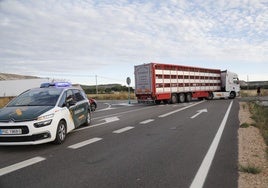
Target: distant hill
column 6, row 76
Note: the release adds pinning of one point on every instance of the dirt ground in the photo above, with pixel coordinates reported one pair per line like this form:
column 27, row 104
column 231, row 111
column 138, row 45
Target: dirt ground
column 251, row 152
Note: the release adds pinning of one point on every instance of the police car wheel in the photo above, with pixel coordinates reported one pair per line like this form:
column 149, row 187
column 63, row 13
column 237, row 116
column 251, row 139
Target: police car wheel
column 61, row 132
column 88, row 122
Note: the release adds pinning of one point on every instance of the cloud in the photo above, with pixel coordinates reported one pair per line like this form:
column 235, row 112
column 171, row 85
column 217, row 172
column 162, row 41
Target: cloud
column 55, row 36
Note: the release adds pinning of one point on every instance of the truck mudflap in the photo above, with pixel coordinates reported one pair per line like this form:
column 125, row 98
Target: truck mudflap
column 147, row 99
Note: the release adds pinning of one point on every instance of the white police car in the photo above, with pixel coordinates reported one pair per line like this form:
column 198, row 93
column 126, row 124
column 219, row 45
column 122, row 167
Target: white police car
column 44, row 114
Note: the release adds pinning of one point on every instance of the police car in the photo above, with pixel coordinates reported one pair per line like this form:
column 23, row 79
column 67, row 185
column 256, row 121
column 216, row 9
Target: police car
column 44, row 114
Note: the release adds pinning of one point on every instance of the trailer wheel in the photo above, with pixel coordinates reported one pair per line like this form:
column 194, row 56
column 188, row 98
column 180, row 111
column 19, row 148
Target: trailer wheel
column 181, row 97
column 174, row 98
column 188, row 97
column 157, row 101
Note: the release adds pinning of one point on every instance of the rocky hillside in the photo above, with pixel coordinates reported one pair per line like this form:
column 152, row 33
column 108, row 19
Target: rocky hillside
column 5, row 76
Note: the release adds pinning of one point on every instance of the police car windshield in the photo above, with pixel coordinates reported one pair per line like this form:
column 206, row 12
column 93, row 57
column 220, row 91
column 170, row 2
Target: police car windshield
column 37, row 97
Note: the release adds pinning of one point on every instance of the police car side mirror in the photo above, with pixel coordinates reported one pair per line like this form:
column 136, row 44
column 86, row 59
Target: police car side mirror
column 70, row 102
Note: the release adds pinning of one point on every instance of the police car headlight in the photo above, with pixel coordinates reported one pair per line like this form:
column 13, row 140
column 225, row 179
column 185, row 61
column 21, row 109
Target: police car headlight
column 44, row 120
column 50, row 116
column 43, row 123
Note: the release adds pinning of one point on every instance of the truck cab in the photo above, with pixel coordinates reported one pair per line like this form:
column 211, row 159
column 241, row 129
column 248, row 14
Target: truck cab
column 230, row 83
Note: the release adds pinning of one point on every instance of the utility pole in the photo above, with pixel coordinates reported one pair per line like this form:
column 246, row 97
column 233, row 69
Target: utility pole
column 247, row 83
column 96, row 77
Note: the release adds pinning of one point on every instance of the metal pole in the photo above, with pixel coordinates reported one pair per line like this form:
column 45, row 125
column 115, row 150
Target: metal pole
column 96, row 84
column 128, row 94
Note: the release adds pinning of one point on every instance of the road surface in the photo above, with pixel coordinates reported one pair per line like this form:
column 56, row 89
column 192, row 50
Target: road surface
column 182, row 145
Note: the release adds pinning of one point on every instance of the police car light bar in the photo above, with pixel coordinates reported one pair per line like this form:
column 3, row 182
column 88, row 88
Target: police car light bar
column 56, row 84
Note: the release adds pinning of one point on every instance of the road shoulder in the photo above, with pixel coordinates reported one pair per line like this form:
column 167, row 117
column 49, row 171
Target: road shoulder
column 251, row 152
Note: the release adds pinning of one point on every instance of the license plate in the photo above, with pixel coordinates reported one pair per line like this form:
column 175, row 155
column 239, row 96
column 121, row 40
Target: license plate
column 10, row 131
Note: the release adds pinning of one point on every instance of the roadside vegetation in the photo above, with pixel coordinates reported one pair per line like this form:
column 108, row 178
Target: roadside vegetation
column 253, row 93
column 260, row 116
column 249, row 169
column 4, row 101
column 112, row 96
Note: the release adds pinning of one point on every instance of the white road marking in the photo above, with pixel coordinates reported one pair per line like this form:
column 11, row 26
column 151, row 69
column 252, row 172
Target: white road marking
column 147, row 121
column 123, row 130
column 106, row 121
column 181, row 109
column 202, row 172
column 105, row 109
column 20, row 165
column 199, row 112
column 84, row 143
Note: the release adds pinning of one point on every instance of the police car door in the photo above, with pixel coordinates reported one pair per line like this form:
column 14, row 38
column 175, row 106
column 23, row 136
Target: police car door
column 71, row 104
column 81, row 109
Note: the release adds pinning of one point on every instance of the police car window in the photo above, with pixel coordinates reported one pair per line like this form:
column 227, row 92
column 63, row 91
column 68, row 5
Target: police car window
column 69, row 96
column 78, row 95
column 62, row 100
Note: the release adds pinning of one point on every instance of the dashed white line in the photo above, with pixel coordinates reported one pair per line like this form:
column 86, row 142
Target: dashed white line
column 202, row 172
column 123, row 130
column 84, row 143
column 147, row 121
column 20, row 165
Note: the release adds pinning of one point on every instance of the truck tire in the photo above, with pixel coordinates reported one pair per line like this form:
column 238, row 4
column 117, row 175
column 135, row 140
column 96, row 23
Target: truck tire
column 188, row 97
column 232, row 95
column 210, row 96
column 181, row 97
column 174, row 98
column 157, row 101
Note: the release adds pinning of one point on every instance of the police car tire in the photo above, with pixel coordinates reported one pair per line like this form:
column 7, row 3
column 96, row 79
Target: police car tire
column 88, row 122
column 61, row 133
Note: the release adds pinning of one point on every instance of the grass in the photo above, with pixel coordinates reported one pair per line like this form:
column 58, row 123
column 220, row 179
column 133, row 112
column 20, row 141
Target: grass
column 253, row 93
column 244, row 125
column 113, row 96
column 260, row 116
column 250, row 169
column 4, row 101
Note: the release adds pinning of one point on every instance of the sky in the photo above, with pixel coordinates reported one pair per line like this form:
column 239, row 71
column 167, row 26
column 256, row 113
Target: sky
column 100, row 41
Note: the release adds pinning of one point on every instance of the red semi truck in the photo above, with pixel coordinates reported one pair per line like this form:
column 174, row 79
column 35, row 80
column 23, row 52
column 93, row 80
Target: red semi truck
column 155, row 82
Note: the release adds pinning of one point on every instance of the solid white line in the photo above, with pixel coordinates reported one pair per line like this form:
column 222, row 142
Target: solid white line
column 147, row 121
column 202, row 172
column 123, row 130
column 20, row 165
column 84, row 143
column 175, row 111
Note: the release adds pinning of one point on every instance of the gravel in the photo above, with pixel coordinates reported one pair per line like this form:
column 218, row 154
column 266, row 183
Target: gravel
column 251, row 152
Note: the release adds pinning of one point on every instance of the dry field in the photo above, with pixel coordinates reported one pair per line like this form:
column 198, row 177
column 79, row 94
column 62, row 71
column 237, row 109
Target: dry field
column 253, row 93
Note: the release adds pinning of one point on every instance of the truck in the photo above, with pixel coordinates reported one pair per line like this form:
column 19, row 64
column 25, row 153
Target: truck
column 157, row 82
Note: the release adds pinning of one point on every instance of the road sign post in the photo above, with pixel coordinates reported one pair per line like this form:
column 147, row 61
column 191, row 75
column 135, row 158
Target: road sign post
column 128, row 83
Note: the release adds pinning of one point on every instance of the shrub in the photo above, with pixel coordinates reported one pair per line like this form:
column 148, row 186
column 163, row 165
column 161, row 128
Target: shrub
column 251, row 169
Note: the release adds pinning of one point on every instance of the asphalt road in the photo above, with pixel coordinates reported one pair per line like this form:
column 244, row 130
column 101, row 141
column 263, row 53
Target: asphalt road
column 183, row 145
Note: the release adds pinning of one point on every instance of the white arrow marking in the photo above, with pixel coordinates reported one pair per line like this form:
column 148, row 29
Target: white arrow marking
column 106, row 121
column 199, row 112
